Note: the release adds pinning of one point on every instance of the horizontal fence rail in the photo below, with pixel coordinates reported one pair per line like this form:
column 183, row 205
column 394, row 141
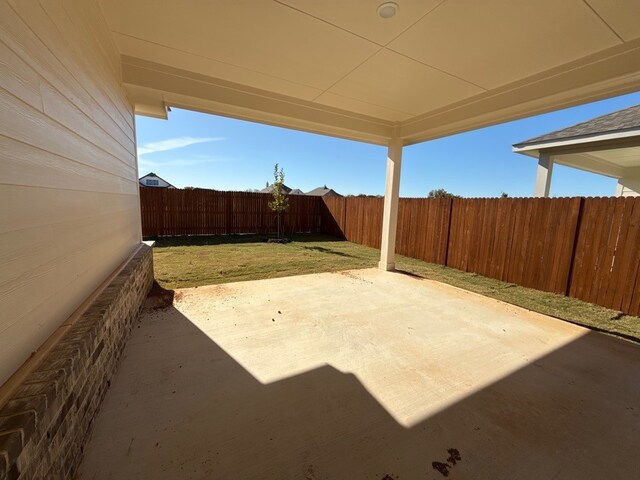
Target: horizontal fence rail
column 587, row 248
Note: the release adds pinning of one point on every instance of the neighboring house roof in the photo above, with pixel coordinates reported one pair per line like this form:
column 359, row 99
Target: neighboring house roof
column 606, row 145
column 153, row 175
column 324, row 192
column 296, row 191
column 269, row 189
column 620, row 121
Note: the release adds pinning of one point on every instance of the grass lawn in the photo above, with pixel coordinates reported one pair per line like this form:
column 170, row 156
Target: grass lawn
column 182, row 262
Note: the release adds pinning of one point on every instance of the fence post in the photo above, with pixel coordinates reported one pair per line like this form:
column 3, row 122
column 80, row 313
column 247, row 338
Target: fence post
column 344, row 218
column 228, row 204
column 320, row 208
column 446, row 252
column 574, row 248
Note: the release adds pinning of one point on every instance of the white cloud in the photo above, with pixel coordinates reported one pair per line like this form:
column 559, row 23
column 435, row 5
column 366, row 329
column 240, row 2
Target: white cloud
column 172, row 144
column 181, row 162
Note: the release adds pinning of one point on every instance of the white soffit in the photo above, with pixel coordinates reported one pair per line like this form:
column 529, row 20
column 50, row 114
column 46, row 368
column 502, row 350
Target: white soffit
column 590, row 163
column 621, row 15
column 435, row 68
column 259, row 36
column 400, row 83
column 143, row 49
column 335, row 100
column 623, row 157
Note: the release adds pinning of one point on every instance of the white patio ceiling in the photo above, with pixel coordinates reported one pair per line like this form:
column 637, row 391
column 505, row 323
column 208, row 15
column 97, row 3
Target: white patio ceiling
column 336, row 67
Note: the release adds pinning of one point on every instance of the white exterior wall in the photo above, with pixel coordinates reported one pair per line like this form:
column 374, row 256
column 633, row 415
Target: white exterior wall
column 69, row 203
column 629, row 184
column 627, row 192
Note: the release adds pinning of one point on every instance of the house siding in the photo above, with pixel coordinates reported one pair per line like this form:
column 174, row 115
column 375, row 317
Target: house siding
column 69, row 202
column 629, row 186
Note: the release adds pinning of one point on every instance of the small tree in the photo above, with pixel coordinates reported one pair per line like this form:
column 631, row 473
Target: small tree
column 504, row 195
column 441, row 193
column 280, row 200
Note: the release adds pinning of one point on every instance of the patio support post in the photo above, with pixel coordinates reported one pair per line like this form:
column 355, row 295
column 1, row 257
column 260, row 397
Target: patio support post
column 543, row 177
column 391, row 196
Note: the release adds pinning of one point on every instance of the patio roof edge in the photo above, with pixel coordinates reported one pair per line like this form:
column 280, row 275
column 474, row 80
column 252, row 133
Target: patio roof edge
column 184, row 89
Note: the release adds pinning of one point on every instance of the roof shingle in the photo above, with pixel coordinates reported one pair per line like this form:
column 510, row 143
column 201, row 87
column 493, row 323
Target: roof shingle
column 621, row 120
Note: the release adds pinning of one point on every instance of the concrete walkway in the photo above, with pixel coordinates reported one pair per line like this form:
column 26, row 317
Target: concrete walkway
column 365, row 375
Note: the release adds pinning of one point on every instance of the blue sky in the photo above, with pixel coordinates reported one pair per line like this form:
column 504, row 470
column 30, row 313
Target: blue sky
column 200, row 150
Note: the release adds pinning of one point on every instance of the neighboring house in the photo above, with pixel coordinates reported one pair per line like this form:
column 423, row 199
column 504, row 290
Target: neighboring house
column 296, row 191
column 269, row 189
column 153, row 180
column 608, row 145
column 323, row 192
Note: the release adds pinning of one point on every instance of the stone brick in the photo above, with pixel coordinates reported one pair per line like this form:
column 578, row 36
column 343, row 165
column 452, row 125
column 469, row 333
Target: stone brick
column 37, row 404
column 10, row 447
column 48, row 419
column 23, row 422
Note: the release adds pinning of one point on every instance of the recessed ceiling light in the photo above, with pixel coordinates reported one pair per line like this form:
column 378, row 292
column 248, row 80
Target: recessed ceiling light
column 388, row 9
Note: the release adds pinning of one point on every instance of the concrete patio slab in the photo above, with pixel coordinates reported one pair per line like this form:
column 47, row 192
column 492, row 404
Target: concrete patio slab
column 365, row 375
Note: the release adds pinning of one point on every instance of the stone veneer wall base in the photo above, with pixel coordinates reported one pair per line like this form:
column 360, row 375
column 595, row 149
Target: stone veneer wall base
column 48, row 419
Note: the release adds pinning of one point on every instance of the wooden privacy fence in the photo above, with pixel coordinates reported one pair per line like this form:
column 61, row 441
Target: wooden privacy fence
column 357, row 219
column 524, row 241
column 587, row 248
column 607, row 254
column 171, row 212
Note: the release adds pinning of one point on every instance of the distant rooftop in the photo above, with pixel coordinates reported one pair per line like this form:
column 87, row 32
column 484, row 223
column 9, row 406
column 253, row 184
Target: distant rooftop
column 269, row 189
column 619, row 121
column 324, row 191
column 318, row 192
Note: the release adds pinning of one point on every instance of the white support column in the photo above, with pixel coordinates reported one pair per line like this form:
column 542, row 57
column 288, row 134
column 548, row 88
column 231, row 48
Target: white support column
column 543, row 177
column 391, row 196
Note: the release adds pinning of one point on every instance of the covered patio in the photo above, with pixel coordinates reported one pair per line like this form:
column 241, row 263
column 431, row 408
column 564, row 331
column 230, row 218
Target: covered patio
column 374, row 375
column 391, row 73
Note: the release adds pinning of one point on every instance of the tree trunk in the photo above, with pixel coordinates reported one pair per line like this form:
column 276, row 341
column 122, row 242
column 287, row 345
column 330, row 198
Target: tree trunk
column 279, row 217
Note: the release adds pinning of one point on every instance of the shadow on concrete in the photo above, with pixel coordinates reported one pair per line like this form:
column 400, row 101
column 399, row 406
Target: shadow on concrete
column 182, row 407
column 200, row 240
